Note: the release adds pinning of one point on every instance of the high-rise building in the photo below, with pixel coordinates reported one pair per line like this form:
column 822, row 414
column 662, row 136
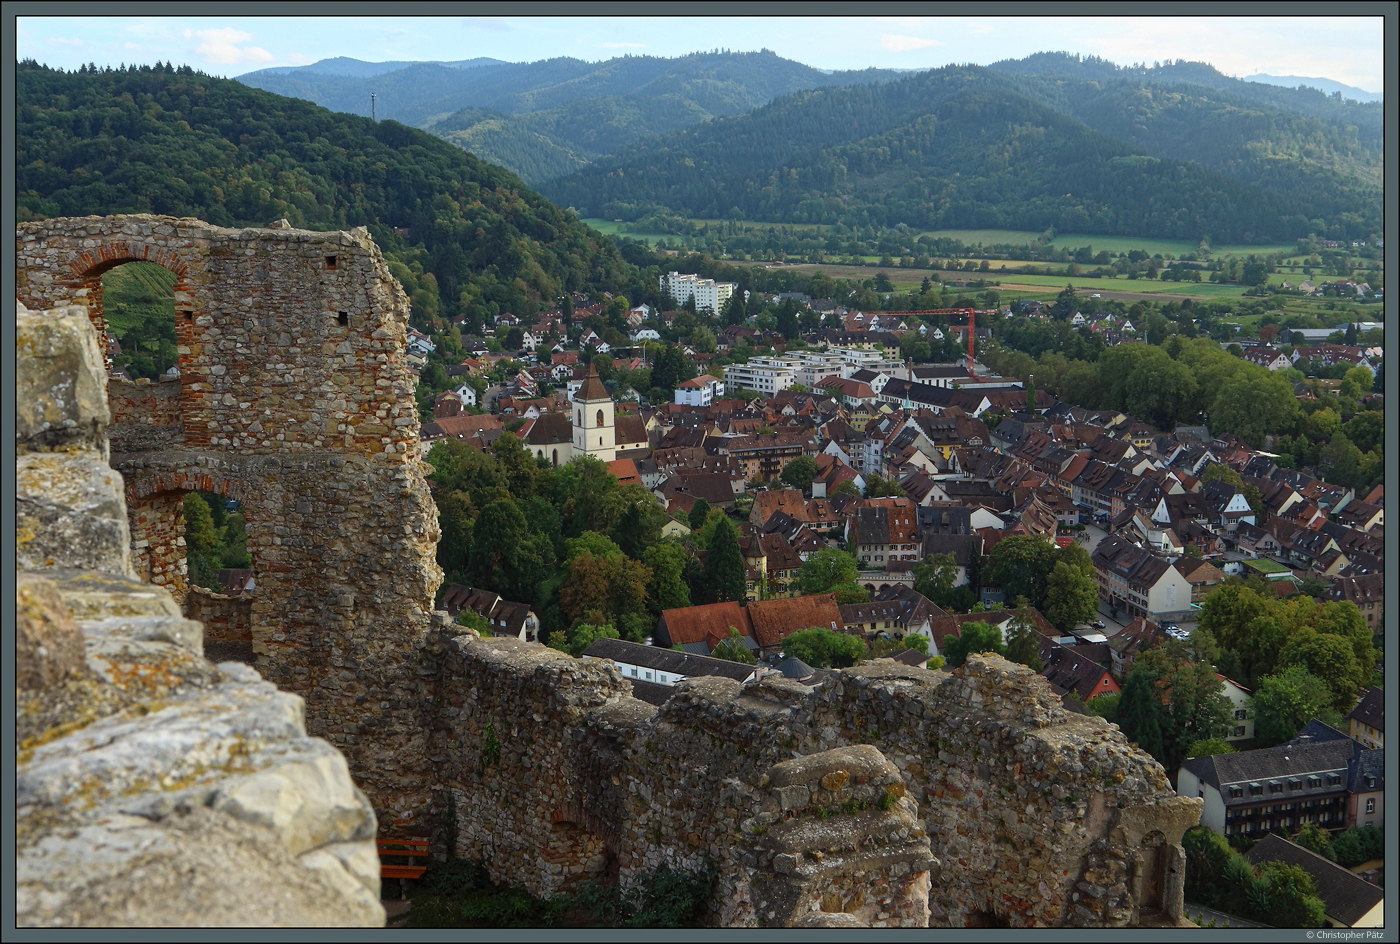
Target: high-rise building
column 708, row 294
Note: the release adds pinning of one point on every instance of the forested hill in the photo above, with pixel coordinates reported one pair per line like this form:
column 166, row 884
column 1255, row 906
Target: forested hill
column 344, row 65
column 467, row 237
column 549, row 118
column 970, row 148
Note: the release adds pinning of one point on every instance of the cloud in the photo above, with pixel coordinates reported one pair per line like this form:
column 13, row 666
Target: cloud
column 906, row 43
column 63, row 41
column 622, row 45
column 222, row 46
column 225, row 35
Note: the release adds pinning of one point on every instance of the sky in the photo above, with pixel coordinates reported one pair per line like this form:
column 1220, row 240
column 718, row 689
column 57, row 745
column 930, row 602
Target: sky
column 1348, row 49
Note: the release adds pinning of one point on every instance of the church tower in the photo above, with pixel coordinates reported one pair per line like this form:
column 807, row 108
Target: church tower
column 595, row 433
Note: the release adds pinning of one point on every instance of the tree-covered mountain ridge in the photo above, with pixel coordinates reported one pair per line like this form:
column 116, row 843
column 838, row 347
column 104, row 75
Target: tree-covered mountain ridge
column 549, row 118
column 463, row 236
column 968, row 147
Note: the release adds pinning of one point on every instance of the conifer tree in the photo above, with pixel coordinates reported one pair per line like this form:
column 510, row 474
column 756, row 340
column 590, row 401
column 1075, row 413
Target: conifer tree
column 724, row 568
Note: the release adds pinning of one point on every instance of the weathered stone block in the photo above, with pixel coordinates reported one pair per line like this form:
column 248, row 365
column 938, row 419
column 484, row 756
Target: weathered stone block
column 60, row 381
column 48, row 644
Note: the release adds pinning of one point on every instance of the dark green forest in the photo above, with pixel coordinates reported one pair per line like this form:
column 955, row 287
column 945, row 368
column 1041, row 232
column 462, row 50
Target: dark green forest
column 968, row 148
column 464, row 236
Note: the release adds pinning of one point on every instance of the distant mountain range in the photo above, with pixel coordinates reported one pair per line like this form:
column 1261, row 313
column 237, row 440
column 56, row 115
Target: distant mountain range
column 549, row 118
column 1176, row 150
column 345, row 66
column 1324, row 85
column 1078, row 146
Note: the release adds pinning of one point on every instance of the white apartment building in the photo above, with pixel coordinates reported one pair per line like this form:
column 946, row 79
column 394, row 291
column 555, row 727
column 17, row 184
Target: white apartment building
column 699, row 391
column 708, row 293
column 767, row 375
column 808, row 367
column 854, row 359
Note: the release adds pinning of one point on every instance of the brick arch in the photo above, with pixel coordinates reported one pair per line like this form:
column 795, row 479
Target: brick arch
column 89, row 265
column 82, row 281
column 155, row 507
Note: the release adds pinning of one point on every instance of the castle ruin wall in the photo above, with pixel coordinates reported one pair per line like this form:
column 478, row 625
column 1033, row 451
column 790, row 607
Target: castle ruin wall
column 1030, row 816
column 295, row 398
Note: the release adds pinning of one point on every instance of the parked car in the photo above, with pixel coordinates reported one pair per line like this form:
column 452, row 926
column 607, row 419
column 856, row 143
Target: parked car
column 1097, row 624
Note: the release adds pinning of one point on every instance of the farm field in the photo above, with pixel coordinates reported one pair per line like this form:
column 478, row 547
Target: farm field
column 1149, row 287
column 1119, row 244
column 614, row 228
column 1024, row 286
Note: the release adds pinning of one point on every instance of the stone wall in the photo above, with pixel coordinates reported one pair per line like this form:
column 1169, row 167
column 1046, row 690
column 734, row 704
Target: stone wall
column 1013, row 812
column 293, row 397
column 145, row 415
column 152, row 788
column 287, row 338
column 227, row 620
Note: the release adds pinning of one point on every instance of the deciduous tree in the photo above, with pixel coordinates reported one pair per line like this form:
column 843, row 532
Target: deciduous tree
column 824, row 570
column 800, row 472
column 1285, row 701
column 823, row 648
column 1070, row 596
column 976, row 636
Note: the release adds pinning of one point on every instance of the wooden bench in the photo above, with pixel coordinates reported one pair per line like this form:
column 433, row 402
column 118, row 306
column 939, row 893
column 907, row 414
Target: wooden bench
column 416, row 848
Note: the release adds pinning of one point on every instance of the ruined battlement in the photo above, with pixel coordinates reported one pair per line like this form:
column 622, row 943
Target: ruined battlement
column 1032, row 816
column 288, row 340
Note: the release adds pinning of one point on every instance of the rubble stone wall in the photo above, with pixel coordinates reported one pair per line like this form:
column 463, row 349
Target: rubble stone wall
column 294, row 397
column 153, row 788
column 227, row 619
column 1003, row 808
column 288, row 339
column 145, row 415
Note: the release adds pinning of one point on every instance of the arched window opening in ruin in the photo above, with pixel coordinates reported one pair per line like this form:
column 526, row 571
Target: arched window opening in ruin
column 600, row 419
column 195, row 545
column 137, row 302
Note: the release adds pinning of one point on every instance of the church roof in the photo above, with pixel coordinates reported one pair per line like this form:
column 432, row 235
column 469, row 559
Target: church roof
column 592, row 388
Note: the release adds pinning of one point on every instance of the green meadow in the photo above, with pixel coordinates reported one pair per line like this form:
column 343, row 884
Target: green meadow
column 1118, row 244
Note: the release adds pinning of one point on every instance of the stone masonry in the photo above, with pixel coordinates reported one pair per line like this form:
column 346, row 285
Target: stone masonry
column 888, row 796
column 152, row 788
column 293, row 397
column 1004, row 809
